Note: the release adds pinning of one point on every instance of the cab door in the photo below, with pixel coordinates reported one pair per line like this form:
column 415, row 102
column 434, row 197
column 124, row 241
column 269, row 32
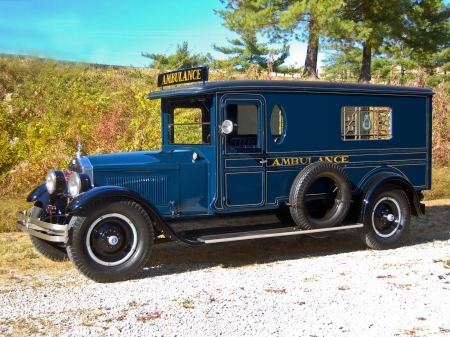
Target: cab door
column 242, row 153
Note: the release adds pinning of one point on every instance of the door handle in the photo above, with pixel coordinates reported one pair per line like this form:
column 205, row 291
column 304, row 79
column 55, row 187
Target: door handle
column 263, row 161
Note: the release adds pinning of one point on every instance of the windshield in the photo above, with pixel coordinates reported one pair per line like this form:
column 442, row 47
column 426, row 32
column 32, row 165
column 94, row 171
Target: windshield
column 189, row 122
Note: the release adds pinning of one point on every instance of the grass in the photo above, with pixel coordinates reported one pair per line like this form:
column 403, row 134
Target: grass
column 440, row 184
column 18, row 256
column 445, row 262
column 31, row 326
column 276, row 291
column 8, row 209
column 188, row 304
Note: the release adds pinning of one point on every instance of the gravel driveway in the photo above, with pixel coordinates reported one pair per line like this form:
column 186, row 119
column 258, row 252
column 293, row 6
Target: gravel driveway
column 294, row 286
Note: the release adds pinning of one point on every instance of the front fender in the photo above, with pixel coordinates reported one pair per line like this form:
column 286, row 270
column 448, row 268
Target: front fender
column 37, row 193
column 41, row 198
column 85, row 199
column 382, row 178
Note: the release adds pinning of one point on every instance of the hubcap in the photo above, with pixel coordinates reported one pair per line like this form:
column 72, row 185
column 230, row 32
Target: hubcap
column 386, row 217
column 390, row 217
column 111, row 239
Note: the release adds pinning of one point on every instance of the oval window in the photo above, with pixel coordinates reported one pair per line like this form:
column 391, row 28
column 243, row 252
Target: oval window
column 278, row 124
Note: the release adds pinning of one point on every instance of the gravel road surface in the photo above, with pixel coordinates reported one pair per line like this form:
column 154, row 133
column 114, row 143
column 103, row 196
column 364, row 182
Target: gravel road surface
column 294, row 286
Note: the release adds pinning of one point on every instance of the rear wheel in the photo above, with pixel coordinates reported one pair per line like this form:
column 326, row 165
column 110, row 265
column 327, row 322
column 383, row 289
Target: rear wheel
column 111, row 240
column 53, row 251
column 387, row 220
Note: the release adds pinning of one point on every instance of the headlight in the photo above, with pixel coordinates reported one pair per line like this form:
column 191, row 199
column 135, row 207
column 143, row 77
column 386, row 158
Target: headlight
column 55, row 182
column 227, row 127
column 78, row 183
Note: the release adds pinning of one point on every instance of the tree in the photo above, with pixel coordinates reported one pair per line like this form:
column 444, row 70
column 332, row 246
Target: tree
column 420, row 26
column 182, row 58
column 368, row 23
column 344, row 65
column 284, row 20
column 247, row 51
column 443, row 59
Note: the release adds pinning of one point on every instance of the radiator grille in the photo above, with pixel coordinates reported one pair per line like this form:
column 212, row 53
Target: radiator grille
column 154, row 188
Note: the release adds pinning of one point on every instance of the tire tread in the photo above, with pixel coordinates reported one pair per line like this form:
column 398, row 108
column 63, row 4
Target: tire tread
column 300, row 186
column 77, row 260
column 369, row 237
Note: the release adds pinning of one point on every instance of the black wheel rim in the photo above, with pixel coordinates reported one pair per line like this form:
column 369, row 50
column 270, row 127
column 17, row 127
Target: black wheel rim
column 386, row 217
column 321, row 202
column 111, row 239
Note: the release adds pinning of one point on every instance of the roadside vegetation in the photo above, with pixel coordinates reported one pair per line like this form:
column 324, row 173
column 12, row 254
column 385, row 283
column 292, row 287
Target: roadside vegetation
column 47, row 107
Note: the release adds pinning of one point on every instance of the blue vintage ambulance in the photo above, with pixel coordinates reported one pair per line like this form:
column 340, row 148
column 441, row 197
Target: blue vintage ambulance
column 317, row 157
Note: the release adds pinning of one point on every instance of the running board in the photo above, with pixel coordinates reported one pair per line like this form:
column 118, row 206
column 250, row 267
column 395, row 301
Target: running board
column 268, row 233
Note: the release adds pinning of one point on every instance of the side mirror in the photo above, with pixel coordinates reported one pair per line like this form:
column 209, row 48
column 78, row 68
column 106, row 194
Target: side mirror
column 227, row 127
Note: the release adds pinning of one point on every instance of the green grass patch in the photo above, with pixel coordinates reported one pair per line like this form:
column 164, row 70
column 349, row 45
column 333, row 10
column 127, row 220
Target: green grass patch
column 445, row 262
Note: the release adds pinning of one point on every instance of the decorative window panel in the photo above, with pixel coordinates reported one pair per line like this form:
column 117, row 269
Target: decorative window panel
column 366, row 122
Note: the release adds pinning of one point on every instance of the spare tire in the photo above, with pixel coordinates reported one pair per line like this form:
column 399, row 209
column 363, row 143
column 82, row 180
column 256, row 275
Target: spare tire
column 320, row 196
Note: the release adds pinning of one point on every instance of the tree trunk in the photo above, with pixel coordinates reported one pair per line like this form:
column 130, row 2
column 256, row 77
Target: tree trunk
column 312, row 51
column 402, row 69
column 364, row 76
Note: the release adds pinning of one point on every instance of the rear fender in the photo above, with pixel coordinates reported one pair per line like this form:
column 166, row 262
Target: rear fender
column 383, row 178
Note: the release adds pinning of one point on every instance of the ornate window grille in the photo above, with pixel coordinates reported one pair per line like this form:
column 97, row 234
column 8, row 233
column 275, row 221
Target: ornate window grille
column 366, row 123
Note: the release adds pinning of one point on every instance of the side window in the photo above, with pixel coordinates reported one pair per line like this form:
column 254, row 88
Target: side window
column 278, row 123
column 245, row 117
column 366, row 122
column 187, row 126
column 189, row 122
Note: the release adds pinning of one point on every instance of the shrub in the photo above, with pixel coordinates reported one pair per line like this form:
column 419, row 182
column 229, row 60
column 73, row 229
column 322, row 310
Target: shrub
column 47, row 107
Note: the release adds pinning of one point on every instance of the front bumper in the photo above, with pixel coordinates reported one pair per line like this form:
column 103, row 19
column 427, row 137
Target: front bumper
column 44, row 230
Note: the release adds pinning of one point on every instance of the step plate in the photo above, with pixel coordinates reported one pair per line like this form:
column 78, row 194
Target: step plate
column 269, row 233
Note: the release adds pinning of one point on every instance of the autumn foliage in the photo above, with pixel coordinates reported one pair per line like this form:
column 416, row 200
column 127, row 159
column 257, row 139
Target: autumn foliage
column 47, row 107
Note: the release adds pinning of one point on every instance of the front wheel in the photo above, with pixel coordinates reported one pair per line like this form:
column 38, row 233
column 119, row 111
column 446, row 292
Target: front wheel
column 110, row 241
column 387, row 220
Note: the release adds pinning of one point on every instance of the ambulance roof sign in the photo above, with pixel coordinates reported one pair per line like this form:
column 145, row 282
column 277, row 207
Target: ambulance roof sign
column 183, row 76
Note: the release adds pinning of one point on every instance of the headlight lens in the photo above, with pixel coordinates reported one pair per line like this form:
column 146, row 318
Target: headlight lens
column 227, row 127
column 78, row 183
column 74, row 184
column 55, row 182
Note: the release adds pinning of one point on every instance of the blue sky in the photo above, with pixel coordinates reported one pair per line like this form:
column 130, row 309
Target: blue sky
column 114, row 32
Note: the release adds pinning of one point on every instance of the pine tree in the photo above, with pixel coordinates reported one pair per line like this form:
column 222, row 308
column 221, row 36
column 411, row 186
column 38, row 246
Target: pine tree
column 283, row 20
column 247, row 51
column 182, row 58
column 419, row 26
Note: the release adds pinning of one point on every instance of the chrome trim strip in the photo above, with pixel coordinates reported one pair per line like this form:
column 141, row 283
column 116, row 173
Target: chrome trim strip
column 273, row 233
column 52, row 238
column 55, row 233
column 41, row 224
